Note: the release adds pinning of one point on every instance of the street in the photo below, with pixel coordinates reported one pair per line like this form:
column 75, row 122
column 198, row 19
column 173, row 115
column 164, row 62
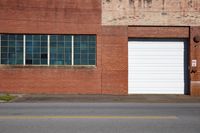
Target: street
column 99, row 118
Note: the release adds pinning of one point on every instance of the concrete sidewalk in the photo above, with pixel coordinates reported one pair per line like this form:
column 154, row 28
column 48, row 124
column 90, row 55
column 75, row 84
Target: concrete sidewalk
column 108, row 98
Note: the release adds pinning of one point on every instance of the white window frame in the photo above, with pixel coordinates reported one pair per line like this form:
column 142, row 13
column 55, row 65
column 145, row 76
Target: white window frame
column 0, row 49
column 48, row 51
column 72, row 53
column 24, row 50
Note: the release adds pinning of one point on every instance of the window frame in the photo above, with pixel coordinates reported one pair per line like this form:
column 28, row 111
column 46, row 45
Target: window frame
column 49, row 51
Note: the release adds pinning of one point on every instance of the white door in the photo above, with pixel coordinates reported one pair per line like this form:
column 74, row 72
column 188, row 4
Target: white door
column 155, row 67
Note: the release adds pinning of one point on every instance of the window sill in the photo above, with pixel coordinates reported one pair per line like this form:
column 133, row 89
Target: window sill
column 51, row 66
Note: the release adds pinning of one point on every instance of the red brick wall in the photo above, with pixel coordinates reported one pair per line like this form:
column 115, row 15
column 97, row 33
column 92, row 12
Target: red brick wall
column 50, row 80
column 195, row 55
column 51, row 17
column 114, row 60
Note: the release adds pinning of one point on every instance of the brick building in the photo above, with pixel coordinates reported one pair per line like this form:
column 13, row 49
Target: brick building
column 100, row 46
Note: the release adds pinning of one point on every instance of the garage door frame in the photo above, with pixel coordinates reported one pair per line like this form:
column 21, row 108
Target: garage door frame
column 186, row 57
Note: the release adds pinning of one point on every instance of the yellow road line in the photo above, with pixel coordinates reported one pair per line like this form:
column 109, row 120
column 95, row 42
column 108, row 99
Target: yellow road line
column 90, row 117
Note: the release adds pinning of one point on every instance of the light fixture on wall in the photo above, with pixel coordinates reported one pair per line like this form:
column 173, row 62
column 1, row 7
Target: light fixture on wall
column 196, row 39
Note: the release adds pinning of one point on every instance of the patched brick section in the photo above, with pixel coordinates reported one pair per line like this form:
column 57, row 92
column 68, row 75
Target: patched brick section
column 151, row 12
column 195, row 55
column 114, row 48
column 115, row 82
column 50, row 16
column 195, row 85
column 158, row 32
column 114, row 60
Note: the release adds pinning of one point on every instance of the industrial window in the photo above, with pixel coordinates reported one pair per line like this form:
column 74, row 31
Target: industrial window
column 36, row 49
column 72, row 50
column 84, row 50
column 60, row 49
column 11, row 49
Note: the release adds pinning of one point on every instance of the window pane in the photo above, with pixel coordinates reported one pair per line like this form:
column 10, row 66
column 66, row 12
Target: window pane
column 77, row 44
column 92, row 57
column 60, row 38
column 68, row 38
column 36, row 37
column 53, row 38
column 77, row 61
column 29, row 56
column 36, row 61
column 12, row 43
column 43, row 61
column 68, row 44
column 19, row 37
column 77, row 38
column 29, row 38
column 4, row 61
column 28, row 61
column 92, row 38
column 11, row 37
column 61, row 44
column 19, row 43
column 4, row 49
column 4, row 55
column 12, row 49
column 44, row 50
column 4, row 43
column 19, row 62
column 92, row 62
column 19, row 49
column 4, row 37
column 44, row 38
column 43, row 44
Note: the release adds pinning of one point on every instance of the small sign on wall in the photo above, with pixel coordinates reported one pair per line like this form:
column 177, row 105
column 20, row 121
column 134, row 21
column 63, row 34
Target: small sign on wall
column 194, row 63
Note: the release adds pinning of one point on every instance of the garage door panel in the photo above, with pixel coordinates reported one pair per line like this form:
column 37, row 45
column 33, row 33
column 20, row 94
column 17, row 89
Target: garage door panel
column 157, row 61
column 156, row 67
column 158, row 91
column 156, row 57
column 159, row 85
column 156, row 53
column 157, row 75
column 155, row 78
column 158, row 45
column 158, row 81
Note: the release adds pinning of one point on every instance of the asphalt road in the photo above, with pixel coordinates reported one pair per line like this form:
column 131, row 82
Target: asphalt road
column 99, row 118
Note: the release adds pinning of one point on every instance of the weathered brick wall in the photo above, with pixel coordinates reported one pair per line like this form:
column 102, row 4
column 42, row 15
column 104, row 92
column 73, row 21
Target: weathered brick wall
column 151, row 12
column 50, row 16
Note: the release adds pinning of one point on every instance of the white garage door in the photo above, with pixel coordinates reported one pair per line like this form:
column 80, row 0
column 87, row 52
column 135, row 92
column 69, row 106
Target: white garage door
column 155, row 67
